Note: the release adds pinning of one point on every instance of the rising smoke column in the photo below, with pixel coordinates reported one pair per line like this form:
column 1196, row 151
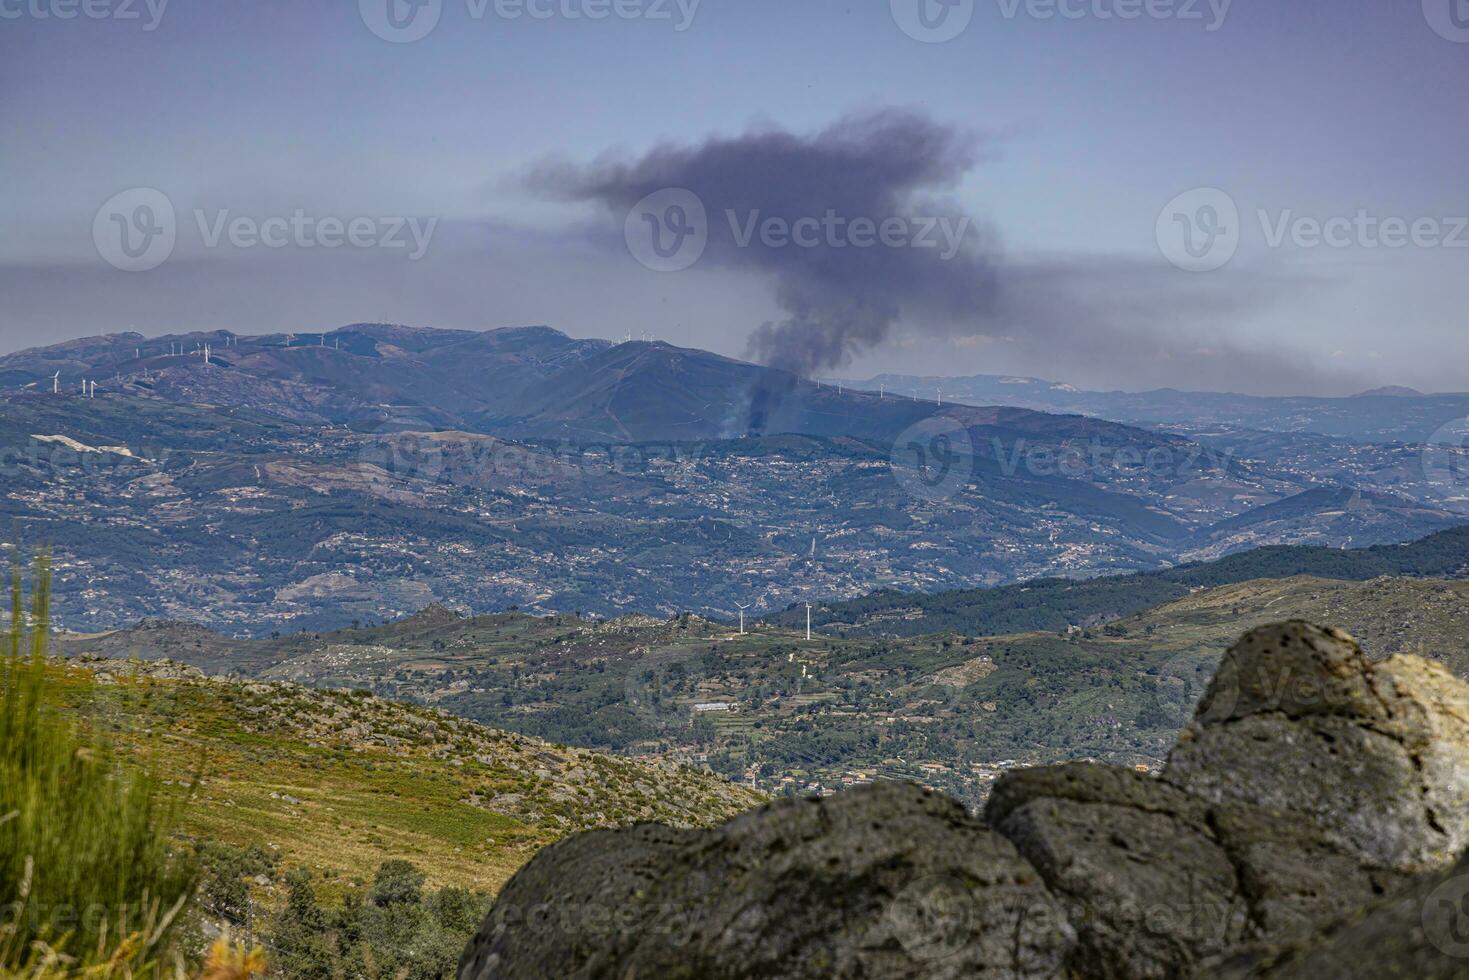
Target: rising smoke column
column 839, row 299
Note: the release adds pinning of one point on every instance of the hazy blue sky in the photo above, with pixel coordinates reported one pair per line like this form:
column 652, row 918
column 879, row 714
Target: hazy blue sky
column 1081, row 130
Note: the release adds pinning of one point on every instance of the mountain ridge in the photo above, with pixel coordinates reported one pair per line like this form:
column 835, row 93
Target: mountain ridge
column 1024, row 606
column 1386, row 414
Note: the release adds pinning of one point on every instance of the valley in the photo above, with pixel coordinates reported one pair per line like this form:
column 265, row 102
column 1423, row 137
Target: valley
column 785, row 715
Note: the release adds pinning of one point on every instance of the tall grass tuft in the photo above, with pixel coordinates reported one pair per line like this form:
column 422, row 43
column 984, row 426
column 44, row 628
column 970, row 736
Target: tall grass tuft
column 90, row 883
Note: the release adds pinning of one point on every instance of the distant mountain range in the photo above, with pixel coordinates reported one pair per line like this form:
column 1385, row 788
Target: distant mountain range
column 524, row 383
column 306, row 481
column 1391, row 414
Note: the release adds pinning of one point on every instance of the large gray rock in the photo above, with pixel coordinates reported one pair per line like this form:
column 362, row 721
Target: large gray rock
column 887, row 881
column 565, row 914
column 1157, row 882
column 1375, row 755
column 1420, row 933
column 1292, row 879
column 1311, row 785
column 1134, row 861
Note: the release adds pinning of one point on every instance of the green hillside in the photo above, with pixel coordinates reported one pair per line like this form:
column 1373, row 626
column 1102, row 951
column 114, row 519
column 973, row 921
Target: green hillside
column 1055, row 604
column 788, row 715
column 340, row 781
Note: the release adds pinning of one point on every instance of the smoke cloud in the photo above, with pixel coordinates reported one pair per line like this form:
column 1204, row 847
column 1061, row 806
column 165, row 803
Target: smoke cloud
column 942, row 277
column 851, row 223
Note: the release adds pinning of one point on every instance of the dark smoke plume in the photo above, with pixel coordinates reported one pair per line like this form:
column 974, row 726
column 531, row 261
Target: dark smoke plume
column 839, row 299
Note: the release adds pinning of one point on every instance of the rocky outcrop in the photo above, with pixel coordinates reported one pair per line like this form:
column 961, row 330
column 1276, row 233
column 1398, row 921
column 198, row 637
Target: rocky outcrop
column 1376, row 755
column 890, row 881
column 1311, row 786
column 108, row 669
column 1134, row 862
column 1421, row 932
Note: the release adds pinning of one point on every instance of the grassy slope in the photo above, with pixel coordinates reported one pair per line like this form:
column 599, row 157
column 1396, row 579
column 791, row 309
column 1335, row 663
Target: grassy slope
column 308, row 773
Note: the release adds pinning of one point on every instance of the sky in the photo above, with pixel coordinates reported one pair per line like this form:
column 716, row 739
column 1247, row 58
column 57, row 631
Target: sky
column 1250, row 195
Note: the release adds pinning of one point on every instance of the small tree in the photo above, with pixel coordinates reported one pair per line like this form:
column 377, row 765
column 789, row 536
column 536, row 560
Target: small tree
column 301, row 943
column 397, row 883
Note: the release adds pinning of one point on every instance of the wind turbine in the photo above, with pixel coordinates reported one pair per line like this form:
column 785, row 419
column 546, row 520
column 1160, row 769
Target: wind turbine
column 742, row 618
column 808, row 622
column 93, row 393
column 56, row 383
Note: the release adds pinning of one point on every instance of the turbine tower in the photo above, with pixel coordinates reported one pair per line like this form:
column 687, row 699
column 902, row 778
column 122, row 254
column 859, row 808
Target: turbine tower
column 742, row 618
column 808, row 622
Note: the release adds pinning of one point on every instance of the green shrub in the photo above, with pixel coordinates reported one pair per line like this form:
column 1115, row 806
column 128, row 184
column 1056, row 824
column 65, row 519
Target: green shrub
column 397, row 930
column 88, row 876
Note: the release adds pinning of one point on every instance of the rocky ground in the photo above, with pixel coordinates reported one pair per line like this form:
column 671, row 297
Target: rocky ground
column 1307, row 824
